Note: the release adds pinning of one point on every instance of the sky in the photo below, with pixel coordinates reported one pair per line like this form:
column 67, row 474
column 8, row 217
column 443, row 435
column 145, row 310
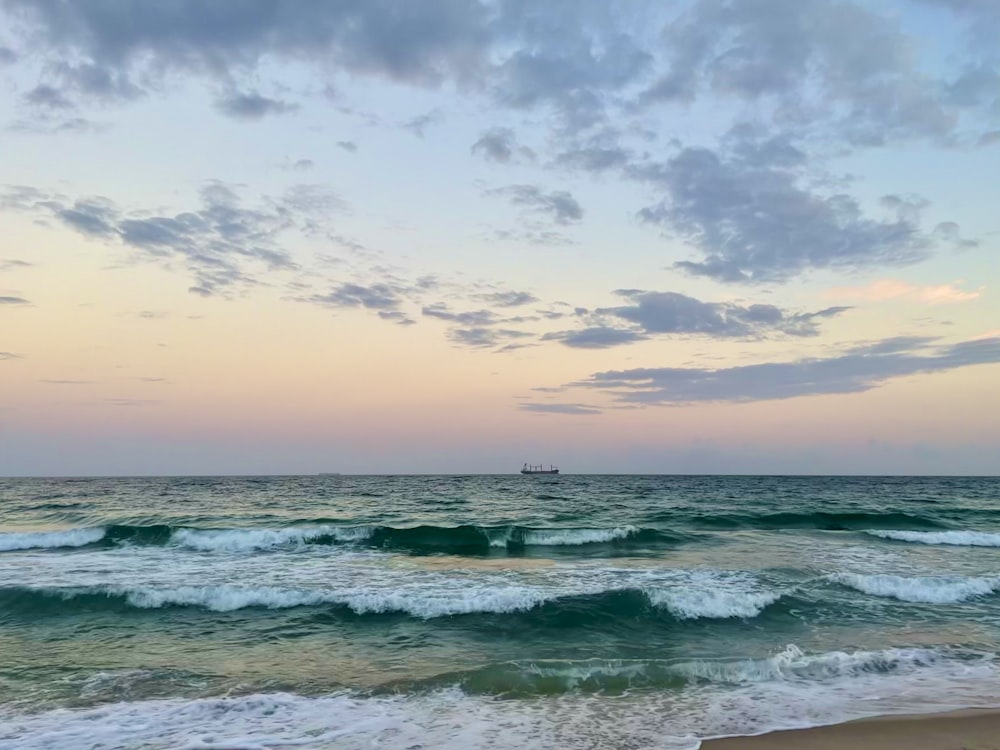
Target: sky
column 453, row 236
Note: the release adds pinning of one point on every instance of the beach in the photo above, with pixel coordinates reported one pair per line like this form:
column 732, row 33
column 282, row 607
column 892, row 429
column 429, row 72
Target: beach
column 960, row 730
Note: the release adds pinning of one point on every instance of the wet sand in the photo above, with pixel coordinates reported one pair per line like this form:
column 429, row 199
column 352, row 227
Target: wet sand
column 961, row 730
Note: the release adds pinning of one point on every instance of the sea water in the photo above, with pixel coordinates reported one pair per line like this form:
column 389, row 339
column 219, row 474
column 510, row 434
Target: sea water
column 488, row 611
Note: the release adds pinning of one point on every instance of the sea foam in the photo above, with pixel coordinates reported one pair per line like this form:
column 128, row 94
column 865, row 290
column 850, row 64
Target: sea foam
column 46, row 539
column 920, row 589
column 785, row 691
column 252, row 540
column 955, row 538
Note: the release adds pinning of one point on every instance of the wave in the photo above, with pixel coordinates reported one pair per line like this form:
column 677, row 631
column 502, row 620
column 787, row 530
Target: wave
column 821, row 521
column 788, row 690
column 956, row 538
column 459, row 539
column 920, row 589
column 615, row 676
column 10, row 541
column 473, row 598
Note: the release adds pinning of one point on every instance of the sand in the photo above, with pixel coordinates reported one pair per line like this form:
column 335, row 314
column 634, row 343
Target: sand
column 962, row 730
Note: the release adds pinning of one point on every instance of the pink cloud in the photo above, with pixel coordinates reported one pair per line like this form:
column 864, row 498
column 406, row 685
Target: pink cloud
column 886, row 289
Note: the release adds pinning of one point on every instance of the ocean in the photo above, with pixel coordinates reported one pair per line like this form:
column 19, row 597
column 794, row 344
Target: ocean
column 406, row 612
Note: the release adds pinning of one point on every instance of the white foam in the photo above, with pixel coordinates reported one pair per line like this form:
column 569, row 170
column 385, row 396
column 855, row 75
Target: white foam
column 46, row 539
column 789, row 690
column 710, row 595
column 572, row 537
column 251, row 540
column 921, row 589
column 956, row 538
column 427, row 604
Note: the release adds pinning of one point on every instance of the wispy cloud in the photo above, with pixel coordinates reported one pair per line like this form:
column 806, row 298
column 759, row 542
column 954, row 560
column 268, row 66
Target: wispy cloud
column 217, row 242
column 13, row 301
column 558, row 205
column 579, row 409
column 854, row 371
column 887, row 289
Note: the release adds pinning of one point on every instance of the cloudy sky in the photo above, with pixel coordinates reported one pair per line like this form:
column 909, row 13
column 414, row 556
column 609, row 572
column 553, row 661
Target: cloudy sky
column 284, row 236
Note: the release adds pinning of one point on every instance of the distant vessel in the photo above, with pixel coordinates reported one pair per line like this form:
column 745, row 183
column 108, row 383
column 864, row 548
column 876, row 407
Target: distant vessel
column 529, row 469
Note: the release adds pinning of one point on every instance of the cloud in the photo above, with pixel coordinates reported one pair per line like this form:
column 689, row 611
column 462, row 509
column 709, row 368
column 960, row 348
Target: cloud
column 382, row 297
column 761, row 223
column 559, row 408
column 349, row 146
column 216, row 242
column 9, row 355
column 13, row 301
column 653, row 313
column 825, row 61
column 250, row 105
column 558, row 205
column 12, row 263
column 397, row 317
column 508, row 299
column 7, row 56
column 854, row 371
column 532, row 237
column 671, row 312
column 886, row 289
column 66, row 381
column 123, row 51
column 47, row 96
column 476, row 318
column 130, row 402
column 418, row 125
column 482, row 338
column 596, row 337
column 500, row 145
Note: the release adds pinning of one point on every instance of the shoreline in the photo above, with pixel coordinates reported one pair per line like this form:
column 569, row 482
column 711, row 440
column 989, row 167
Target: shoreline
column 965, row 729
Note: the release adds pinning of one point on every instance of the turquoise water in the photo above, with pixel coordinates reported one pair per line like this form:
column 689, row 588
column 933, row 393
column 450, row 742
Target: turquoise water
column 488, row 611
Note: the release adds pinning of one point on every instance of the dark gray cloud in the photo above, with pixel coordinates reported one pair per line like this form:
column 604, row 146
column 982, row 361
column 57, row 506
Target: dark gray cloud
column 596, row 337
column 558, row 205
column 13, row 301
column 397, row 317
column 382, row 297
column 474, row 318
column 251, row 105
column 47, row 96
column 652, row 313
column 500, row 145
column 582, row 409
column 671, row 312
column 754, row 223
column 508, row 299
column 7, row 56
column 215, row 242
column 830, row 61
column 124, row 49
column 857, row 370
column 350, row 146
